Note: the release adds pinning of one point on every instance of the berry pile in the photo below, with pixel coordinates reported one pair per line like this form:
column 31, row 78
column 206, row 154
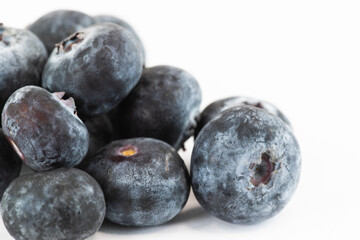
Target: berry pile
column 102, row 131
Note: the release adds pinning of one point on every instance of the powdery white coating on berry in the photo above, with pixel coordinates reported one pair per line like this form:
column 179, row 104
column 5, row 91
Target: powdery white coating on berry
column 22, row 58
column 60, row 204
column 99, row 71
column 46, row 133
column 57, row 25
column 163, row 105
column 146, row 188
column 223, row 160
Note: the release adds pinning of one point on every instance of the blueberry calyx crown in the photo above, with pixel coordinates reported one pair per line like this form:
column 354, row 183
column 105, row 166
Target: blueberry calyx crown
column 67, row 44
column 2, row 29
column 262, row 172
column 69, row 103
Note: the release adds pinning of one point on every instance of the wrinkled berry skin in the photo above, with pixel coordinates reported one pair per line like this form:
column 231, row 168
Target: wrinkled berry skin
column 98, row 67
column 122, row 23
column 45, row 133
column 22, row 59
column 215, row 108
column 245, row 165
column 145, row 182
column 10, row 163
column 57, row 25
column 62, row 204
column 101, row 132
column 163, row 105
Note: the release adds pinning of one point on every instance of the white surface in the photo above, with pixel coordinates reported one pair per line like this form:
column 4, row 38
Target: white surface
column 302, row 56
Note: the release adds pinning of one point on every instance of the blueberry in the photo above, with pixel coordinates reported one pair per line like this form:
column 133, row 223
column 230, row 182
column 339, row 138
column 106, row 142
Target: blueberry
column 10, row 164
column 215, row 108
column 98, row 66
column 61, row 204
column 101, row 132
column 163, row 105
column 245, row 165
column 122, row 23
column 44, row 129
column 57, row 25
column 22, row 58
column 145, row 182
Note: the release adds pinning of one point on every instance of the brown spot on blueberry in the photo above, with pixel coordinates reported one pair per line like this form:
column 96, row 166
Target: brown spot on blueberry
column 261, row 173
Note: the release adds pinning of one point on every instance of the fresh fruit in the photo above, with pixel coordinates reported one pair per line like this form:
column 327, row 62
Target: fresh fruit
column 145, row 182
column 163, row 105
column 245, row 165
column 43, row 129
column 57, row 25
column 61, row 204
column 97, row 66
column 22, row 59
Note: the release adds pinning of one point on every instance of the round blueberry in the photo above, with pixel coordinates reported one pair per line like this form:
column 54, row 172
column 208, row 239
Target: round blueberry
column 122, row 23
column 215, row 108
column 57, row 25
column 163, row 105
column 98, row 66
column 10, row 164
column 245, row 165
column 44, row 129
column 145, row 182
column 61, row 204
column 22, row 59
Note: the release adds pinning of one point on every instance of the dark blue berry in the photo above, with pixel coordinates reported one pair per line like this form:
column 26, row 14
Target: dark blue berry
column 98, row 67
column 163, row 105
column 245, row 165
column 145, row 182
column 61, row 204
column 44, row 129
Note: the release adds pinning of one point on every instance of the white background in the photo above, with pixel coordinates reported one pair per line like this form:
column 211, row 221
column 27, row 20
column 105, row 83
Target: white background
column 302, row 56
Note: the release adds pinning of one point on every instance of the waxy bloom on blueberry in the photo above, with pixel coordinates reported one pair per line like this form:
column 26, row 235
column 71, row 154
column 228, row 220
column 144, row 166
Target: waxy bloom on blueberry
column 97, row 66
column 61, row 204
column 44, row 129
column 145, row 181
column 245, row 165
